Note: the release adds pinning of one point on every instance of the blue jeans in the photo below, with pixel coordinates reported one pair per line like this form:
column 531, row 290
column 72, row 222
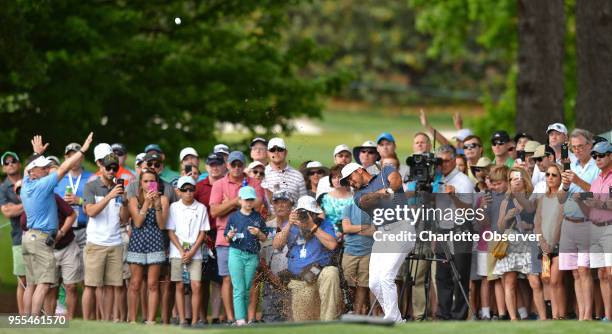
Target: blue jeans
column 242, row 268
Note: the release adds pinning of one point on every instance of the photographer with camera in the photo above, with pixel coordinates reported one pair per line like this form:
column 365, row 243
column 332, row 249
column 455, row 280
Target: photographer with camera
column 310, row 241
column 40, row 207
column 372, row 193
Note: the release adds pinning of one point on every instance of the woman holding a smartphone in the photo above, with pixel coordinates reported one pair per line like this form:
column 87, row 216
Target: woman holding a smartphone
column 516, row 216
column 146, row 250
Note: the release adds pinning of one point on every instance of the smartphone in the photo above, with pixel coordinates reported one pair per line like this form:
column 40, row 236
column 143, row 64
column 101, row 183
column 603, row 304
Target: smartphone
column 153, row 186
column 188, row 169
column 520, row 155
column 120, row 182
column 586, row 195
column 564, row 156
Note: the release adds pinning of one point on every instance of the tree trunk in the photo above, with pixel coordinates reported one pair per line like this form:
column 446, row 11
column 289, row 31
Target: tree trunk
column 541, row 30
column 594, row 65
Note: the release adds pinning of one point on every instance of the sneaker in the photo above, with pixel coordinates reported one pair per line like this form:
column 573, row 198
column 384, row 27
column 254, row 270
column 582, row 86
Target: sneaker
column 604, row 319
column 199, row 324
column 504, row 317
column 215, row 321
column 185, row 324
column 174, row 321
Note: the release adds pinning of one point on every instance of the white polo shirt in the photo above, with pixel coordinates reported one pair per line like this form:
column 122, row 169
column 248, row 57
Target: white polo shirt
column 464, row 190
column 187, row 221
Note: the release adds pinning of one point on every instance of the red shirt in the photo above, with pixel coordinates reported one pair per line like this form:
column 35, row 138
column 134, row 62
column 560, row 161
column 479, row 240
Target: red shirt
column 202, row 195
column 226, row 188
column 63, row 211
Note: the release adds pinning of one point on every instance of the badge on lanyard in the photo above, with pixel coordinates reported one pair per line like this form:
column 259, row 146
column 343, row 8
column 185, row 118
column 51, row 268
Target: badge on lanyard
column 303, row 252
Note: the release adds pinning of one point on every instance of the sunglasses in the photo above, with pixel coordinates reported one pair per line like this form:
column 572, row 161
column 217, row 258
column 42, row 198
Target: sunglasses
column 187, row 190
column 598, row 155
column 156, row 164
column 256, row 172
column 498, row 143
column 471, row 146
column 318, row 171
column 237, row 164
column 551, row 174
column 277, row 149
column 119, row 153
column 368, row 151
column 476, row 170
column 113, row 167
column 9, row 162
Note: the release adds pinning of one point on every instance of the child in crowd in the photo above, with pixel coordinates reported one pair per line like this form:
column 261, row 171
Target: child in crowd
column 243, row 231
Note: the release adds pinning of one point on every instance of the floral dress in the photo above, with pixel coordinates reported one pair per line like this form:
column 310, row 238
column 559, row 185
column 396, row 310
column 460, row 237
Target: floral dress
column 147, row 242
column 519, row 256
column 334, row 209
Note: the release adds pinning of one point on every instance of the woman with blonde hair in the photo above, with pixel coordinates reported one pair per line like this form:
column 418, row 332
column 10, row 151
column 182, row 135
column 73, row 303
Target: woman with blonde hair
column 516, row 217
column 548, row 218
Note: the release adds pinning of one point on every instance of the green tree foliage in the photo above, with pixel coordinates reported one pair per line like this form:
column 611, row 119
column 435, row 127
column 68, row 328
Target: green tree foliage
column 377, row 40
column 128, row 71
column 492, row 25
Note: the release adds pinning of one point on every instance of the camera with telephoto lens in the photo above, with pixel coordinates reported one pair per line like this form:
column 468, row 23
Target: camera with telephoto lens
column 422, row 169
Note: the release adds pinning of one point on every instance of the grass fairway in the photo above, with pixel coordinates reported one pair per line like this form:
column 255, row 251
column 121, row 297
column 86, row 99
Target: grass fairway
column 525, row 327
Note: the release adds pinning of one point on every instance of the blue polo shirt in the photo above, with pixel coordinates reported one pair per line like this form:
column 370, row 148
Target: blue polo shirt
column 243, row 239
column 312, row 250
column 60, row 189
column 355, row 244
column 39, row 204
column 378, row 182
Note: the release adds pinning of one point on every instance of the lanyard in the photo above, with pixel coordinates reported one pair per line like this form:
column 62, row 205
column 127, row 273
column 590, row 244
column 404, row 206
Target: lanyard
column 74, row 186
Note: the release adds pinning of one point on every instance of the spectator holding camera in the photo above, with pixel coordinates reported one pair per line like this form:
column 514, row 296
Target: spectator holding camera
column 310, row 241
column 40, row 207
column 106, row 206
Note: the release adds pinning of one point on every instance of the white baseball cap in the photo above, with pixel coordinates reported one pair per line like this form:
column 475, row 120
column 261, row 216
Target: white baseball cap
column 348, row 170
column 341, row 148
column 188, row 151
column 559, row 127
column 183, row 180
column 323, row 187
column 278, row 142
column 309, row 204
column 255, row 164
column 462, row 134
column 102, row 150
column 41, row 161
column 221, row 148
column 139, row 158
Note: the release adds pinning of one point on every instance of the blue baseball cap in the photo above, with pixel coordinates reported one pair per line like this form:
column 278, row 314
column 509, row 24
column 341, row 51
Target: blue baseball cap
column 602, row 147
column 386, row 136
column 247, row 192
column 153, row 147
column 235, row 155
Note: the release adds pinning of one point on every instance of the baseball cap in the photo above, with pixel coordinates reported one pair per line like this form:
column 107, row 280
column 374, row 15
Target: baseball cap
column 153, row 147
column 41, row 161
column 521, row 135
column 139, row 158
column 462, row 134
column 559, row 127
column 188, row 151
column 255, row 164
column 501, row 135
column 308, row 203
column 9, row 154
column 110, row 159
column 247, row 192
column 602, row 147
column 215, row 159
column 531, row 146
column 72, row 147
column 258, row 140
column 54, row 160
column 542, row 151
column 281, row 195
column 152, row 155
column 119, row 148
column 183, row 180
column 278, row 142
column 323, row 187
column 101, row 150
column 341, row 148
column 385, row 136
column 235, row 155
column 347, row 171
column 221, row 148
column 483, row 162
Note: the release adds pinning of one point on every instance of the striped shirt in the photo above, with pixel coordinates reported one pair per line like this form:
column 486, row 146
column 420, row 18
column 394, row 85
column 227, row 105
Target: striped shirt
column 286, row 179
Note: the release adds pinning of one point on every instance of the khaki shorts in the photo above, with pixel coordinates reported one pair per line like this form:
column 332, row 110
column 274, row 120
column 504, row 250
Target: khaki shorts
column 103, row 265
column 18, row 265
column 68, row 264
column 194, row 267
column 356, row 270
column 38, row 258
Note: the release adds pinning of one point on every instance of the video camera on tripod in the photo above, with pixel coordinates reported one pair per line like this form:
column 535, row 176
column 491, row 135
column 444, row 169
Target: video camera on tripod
column 422, row 170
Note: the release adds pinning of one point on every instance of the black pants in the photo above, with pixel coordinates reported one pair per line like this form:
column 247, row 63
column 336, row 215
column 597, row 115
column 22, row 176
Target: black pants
column 451, row 303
